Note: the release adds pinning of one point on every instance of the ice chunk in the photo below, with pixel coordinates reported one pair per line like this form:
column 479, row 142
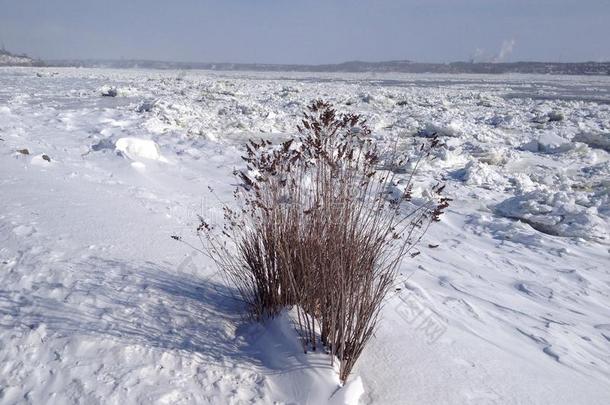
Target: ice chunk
column 41, row 160
column 454, row 128
column 108, row 91
column 492, row 156
column 556, row 214
column 146, row 106
column 548, row 143
column 102, row 144
column 138, row 148
column 594, row 140
column 113, row 91
column 481, row 174
column 555, row 116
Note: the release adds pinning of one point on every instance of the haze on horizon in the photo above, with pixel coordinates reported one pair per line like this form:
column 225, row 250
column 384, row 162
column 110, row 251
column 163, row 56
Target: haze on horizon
column 309, row 32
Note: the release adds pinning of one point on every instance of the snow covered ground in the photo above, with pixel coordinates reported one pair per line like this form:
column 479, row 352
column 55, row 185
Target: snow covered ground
column 99, row 305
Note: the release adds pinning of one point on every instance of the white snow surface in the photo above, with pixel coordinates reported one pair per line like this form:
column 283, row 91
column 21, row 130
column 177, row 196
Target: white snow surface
column 99, row 306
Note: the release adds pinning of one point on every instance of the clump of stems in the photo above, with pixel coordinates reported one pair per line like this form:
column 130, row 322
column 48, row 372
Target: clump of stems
column 321, row 226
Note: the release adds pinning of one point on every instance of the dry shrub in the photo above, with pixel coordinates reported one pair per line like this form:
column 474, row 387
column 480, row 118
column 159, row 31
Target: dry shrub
column 322, row 228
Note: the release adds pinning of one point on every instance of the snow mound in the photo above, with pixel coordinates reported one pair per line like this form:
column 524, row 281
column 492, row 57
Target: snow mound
column 557, row 214
column 138, row 148
column 350, row 393
column 307, row 376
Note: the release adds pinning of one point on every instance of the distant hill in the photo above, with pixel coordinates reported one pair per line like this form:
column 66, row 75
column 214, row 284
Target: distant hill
column 10, row 59
column 580, row 68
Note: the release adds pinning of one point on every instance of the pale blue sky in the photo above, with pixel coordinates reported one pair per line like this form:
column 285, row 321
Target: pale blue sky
column 320, row 31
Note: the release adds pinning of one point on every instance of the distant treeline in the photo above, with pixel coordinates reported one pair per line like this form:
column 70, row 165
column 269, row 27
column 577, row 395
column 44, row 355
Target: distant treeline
column 580, row 68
